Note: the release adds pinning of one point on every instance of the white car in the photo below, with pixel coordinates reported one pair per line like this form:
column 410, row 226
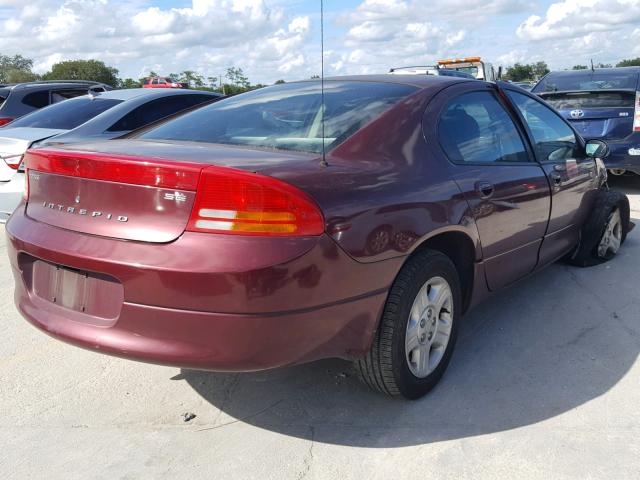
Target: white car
column 98, row 116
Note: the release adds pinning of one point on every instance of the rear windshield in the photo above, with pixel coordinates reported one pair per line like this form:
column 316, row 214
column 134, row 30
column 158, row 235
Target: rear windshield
column 67, row 114
column 566, row 101
column 286, row 117
column 587, row 80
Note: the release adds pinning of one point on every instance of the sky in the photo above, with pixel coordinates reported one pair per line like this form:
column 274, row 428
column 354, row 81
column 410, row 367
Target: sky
column 280, row 39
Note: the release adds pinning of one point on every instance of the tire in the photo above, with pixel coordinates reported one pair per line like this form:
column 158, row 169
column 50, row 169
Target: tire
column 389, row 367
column 607, row 205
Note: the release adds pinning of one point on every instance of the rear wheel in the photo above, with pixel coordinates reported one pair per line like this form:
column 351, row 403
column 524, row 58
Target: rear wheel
column 617, row 171
column 417, row 332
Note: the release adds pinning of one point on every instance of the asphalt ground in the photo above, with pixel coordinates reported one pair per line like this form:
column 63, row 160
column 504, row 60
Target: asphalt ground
column 544, row 383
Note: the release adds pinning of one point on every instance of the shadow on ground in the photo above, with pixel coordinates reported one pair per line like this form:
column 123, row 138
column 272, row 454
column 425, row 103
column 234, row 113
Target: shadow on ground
column 547, row 345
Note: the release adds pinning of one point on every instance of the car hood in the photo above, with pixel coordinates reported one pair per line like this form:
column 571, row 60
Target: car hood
column 18, row 140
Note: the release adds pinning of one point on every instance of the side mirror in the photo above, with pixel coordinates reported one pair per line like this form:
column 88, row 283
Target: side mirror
column 597, row 149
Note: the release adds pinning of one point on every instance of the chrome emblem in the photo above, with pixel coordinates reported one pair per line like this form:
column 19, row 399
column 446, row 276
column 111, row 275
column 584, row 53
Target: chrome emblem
column 177, row 196
column 577, row 113
column 77, row 200
column 84, row 212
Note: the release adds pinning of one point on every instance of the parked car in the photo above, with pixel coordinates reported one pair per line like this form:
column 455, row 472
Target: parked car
column 265, row 230
column 430, row 70
column 604, row 104
column 19, row 99
column 90, row 117
column 163, row 82
column 526, row 85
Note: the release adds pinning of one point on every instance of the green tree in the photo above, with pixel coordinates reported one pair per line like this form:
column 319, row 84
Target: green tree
column 129, row 83
column 634, row 62
column 540, row 69
column 278, row 82
column 16, row 69
column 238, row 78
column 193, row 79
column 94, row 70
column 579, row 67
column 519, row 73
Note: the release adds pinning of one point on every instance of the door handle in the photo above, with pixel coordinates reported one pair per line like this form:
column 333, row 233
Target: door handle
column 485, row 189
column 557, row 178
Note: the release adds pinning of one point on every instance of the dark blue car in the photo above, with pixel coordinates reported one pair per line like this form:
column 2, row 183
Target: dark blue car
column 601, row 104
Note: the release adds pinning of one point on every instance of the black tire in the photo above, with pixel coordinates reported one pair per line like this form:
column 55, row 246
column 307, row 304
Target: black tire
column 385, row 367
column 607, row 201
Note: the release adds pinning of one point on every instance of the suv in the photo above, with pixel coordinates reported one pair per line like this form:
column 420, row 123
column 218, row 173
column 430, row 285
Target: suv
column 163, row 82
column 603, row 104
column 19, row 99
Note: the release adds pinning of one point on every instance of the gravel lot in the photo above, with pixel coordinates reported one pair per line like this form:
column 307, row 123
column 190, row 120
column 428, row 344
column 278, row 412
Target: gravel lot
column 545, row 383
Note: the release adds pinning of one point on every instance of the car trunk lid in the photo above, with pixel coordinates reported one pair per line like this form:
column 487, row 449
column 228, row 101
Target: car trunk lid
column 147, row 196
column 603, row 114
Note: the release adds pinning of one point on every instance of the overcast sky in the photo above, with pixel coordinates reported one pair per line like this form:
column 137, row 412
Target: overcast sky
column 273, row 39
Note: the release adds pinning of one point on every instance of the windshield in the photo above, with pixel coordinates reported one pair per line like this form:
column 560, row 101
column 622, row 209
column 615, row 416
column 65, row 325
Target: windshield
column 587, row 80
column 287, row 117
column 67, row 114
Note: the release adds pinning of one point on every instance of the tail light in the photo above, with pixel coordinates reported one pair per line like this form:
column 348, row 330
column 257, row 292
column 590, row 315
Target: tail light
column 227, row 200
column 13, row 161
column 234, row 201
column 5, row 120
column 636, row 114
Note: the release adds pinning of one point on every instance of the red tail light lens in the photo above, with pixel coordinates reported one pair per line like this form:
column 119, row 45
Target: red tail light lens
column 636, row 115
column 237, row 202
column 5, row 120
column 13, row 161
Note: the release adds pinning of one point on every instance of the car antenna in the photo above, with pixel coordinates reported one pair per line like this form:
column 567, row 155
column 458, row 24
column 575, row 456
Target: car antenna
column 324, row 162
column 592, row 69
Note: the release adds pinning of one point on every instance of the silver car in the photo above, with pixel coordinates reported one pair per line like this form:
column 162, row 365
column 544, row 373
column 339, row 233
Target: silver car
column 97, row 116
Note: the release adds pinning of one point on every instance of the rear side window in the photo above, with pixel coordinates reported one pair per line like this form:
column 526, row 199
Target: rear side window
column 287, row 116
column 475, row 128
column 66, row 115
column 36, row 99
column 155, row 110
column 60, row 95
column 554, row 139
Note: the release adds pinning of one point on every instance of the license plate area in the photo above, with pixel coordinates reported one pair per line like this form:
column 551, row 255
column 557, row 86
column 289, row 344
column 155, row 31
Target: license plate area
column 95, row 295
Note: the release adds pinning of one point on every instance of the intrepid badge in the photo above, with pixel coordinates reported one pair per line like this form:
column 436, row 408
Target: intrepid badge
column 84, row 212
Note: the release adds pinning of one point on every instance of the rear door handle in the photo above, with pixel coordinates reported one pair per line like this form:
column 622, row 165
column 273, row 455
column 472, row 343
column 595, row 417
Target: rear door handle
column 557, row 178
column 485, row 189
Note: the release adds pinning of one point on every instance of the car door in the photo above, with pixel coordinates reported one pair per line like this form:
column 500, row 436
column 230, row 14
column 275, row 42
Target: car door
column 571, row 174
column 506, row 189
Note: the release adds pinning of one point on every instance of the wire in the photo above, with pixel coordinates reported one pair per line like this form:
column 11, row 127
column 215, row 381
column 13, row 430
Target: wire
column 324, row 155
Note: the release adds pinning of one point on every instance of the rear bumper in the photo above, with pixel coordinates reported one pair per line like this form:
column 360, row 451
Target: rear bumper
column 621, row 156
column 10, row 196
column 187, row 306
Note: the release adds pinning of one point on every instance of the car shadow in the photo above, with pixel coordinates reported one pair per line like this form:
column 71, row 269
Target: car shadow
column 543, row 347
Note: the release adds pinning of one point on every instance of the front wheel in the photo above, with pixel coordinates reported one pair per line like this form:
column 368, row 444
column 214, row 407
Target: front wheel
column 604, row 231
column 417, row 332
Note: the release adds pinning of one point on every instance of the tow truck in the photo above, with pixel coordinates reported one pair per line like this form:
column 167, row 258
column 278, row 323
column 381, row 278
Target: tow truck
column 474, row 66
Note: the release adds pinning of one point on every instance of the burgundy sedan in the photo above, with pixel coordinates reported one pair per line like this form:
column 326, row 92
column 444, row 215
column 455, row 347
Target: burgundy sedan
column 267, row 229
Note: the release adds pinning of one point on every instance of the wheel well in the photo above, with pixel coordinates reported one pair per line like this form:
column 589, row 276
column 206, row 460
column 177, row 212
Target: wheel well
column 461, row 250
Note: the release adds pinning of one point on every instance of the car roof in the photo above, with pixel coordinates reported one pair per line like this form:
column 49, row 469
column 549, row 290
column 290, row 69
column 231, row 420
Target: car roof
column 129, row 93
column 54, row 84
column 420, row 81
